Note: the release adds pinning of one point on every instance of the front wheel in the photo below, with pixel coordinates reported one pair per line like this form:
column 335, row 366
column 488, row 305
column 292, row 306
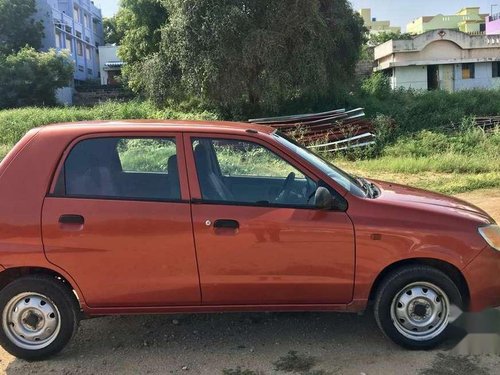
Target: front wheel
column 413, row 306
column 38, row 317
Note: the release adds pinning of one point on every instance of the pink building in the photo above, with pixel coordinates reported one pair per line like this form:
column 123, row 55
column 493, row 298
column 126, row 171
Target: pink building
column 493, row 24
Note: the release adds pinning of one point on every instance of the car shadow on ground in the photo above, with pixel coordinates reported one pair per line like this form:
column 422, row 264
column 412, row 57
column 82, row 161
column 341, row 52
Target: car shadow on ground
column 210, row 343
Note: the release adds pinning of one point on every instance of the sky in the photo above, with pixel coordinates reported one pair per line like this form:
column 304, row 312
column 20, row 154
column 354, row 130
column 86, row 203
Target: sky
column 108, row 7
column 399, row 12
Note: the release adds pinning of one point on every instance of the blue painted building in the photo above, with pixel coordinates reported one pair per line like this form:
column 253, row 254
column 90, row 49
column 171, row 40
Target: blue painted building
column 76, row 26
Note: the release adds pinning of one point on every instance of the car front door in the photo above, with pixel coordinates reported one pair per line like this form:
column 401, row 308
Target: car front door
column 259, row 238
column 118, row 221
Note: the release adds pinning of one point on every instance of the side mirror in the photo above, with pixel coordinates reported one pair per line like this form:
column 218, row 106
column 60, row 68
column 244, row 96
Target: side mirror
column 323, row 199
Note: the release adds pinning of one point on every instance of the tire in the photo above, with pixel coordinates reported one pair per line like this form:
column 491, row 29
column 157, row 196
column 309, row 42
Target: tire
column 38, row 317
column 413, row 305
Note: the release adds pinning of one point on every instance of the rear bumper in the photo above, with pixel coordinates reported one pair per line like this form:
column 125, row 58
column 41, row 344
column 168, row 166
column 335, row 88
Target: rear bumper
column 483, row 279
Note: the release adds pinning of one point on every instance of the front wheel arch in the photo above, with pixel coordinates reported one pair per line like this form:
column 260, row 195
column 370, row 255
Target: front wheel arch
column 449, row 269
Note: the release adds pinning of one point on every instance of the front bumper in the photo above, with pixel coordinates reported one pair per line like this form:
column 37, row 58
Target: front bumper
column 483, row 278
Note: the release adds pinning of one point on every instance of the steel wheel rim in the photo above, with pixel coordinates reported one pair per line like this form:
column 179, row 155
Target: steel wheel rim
column 420, row 311
column 31, row 321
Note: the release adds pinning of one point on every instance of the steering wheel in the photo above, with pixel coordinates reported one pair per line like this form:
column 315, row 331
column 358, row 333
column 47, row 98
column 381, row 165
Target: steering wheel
column 286, row 188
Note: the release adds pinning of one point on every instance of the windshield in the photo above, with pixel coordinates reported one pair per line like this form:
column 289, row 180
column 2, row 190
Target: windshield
column 336, row 174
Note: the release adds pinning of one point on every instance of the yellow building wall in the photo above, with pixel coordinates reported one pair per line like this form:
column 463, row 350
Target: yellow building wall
column 466, row 20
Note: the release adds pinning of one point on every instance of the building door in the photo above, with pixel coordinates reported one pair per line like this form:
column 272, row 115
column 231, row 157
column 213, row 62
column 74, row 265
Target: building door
column 446, row 77
column 433, row 77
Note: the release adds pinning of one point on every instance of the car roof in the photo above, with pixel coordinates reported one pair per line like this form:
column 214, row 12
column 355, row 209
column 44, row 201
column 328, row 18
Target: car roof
column 88, row 127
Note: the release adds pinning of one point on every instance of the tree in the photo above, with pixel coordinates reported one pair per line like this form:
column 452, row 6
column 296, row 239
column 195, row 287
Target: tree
column 380, row 38
column 29, row 77
column 140, row 23
column 112, row 35
column 17, row 26
column 252, row 55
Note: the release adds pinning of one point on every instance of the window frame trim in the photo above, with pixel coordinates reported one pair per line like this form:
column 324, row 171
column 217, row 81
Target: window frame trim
column 179, row 142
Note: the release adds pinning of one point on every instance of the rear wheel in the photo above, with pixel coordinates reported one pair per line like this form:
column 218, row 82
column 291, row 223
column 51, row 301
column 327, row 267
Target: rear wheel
column 39, row 315
column 413, row 306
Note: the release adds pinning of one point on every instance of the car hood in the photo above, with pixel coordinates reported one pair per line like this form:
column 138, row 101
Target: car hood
column 401, row 193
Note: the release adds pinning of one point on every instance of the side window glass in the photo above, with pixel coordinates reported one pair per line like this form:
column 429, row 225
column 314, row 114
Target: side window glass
column 121, row 168
column 246, row 172
column 146, row 155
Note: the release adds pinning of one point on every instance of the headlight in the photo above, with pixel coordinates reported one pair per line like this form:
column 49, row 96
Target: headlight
column 491, row 234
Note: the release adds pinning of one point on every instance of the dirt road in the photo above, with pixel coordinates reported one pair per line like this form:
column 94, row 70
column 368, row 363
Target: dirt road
column 260, row 344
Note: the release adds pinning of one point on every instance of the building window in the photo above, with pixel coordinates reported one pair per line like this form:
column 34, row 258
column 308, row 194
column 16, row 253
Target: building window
column 496, row 69
column 86, row 21
column 89, row 72
column 68, row 44
column 79, row 48
column 79, row 35
column 87, row 53
column 468, row 71
column 58, row 39
column 76, row 14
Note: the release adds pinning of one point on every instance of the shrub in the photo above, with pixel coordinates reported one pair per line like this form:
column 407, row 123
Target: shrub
column 377, row 85
column 413, row 110
column 31, row 78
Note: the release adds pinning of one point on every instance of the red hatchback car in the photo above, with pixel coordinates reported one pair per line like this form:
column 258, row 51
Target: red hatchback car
column 169, row 217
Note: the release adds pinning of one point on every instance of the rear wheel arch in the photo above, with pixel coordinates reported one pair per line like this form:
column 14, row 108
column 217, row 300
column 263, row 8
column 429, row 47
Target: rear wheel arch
column 15, row 273
column 449, row 269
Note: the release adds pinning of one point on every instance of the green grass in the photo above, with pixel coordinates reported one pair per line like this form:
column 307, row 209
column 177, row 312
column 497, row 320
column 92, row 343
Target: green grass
column 453, row 162
column 16, row 122
column 439, row 163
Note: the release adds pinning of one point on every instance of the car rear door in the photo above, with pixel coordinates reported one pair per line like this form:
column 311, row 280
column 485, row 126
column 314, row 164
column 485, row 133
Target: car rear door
column 118, row 221
column 256, row 244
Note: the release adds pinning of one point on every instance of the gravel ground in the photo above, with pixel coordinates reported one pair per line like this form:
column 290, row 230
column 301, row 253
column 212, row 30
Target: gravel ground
column 253, row 344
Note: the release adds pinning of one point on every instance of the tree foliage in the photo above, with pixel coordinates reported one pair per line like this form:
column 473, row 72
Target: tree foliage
column 139, row 22
column 112, row 34
column 245, row 56
column 29, row 77
column 377, row 84
column 380, row 38
column 17, row 26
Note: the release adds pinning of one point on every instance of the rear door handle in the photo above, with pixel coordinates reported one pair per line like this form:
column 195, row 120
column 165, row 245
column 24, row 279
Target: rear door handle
column 72, row 219
column 226, row 224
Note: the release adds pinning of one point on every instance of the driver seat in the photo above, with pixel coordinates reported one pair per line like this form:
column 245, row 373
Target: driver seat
column 211, row 184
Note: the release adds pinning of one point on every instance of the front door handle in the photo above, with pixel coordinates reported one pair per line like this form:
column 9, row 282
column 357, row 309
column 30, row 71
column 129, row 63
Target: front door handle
column 72, row 219
column 226, row 224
